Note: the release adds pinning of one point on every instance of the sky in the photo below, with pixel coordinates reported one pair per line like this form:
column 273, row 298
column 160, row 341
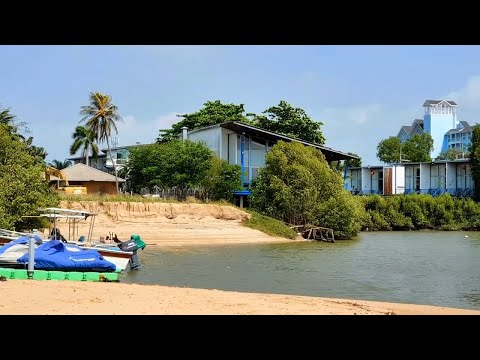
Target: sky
column 362, row 94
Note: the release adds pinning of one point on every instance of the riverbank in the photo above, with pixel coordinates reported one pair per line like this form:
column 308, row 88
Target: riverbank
column 80, row 298
column 170, row 224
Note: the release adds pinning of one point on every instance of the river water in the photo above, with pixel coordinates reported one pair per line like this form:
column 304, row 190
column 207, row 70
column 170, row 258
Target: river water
column 432, row 268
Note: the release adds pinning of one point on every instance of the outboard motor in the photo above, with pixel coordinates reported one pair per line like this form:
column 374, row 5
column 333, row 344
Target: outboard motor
column 133, row 245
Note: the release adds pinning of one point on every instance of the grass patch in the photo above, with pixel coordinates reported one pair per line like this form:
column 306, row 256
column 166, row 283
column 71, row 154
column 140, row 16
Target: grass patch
column 269, row 225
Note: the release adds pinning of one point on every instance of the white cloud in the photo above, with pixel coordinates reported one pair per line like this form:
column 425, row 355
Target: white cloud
column 468, row 100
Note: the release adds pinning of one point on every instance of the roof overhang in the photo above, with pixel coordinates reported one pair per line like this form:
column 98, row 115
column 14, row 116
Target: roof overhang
column 239, row 127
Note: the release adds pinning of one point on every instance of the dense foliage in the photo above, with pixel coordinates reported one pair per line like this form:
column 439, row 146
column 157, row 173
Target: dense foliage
column 451, row 154
column 290, row 121
column 298, row 187
column 182, row 165
column 23, row 189
column 474, row 150
column 416, row 212
column 283, row 119
column 416, row 149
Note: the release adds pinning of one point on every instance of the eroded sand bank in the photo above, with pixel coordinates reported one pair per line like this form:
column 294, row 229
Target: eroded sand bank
column 169, row 224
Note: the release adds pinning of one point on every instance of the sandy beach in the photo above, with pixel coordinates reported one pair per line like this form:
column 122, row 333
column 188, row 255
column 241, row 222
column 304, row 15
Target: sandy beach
column 65, row 297
column 162, row 224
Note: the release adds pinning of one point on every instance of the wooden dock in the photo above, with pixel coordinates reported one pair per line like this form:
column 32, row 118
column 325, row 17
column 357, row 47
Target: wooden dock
column 316, row 233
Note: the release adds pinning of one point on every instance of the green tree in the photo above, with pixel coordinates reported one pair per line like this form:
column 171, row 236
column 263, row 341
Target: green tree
column 213, row 113
column 60, row 165
column 101, row 117
column 474, row 150
column 22, row 186
column 295, row 183
column 182, row 165
column 84, row 138
column 221, row 179
column 451, row 154
column 418, row 148
column 290, row 121
column 18, row 129
column 388, row 150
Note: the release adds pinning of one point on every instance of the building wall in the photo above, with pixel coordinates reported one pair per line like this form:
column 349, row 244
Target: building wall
column 437, row 125
column 459, row 140
column 228, row 146
column 427, row 178
column 424, row 178
column 97, row 187
column 211, row 136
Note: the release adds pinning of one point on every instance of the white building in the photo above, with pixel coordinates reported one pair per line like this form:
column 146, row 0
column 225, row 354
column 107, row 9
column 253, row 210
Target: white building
column 435, row 178
column 246, row 145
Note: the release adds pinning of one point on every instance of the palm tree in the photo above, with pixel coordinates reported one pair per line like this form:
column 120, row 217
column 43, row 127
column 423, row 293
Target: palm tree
column 83, row 137
column 101, row 117
column 60, row 165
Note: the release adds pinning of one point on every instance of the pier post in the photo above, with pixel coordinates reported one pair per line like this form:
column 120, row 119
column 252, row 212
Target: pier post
column 31, row 253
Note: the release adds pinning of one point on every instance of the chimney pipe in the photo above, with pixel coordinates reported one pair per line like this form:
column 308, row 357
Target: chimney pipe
column 184, row 133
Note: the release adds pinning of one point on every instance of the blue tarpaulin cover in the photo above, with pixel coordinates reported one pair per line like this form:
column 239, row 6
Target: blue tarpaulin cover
column 56, row 255
column 22, row 240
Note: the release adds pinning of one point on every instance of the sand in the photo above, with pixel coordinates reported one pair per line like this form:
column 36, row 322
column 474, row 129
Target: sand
column 176, row 225
column 65, row 297
column 165, row 224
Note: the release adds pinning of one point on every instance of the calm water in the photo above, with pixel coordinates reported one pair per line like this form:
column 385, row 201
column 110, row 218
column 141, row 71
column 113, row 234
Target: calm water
column 435, row 268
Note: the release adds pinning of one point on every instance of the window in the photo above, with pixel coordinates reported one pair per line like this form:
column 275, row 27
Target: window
column 464, row 177
column 437, row 176
column 412, row 178
column 356, row 180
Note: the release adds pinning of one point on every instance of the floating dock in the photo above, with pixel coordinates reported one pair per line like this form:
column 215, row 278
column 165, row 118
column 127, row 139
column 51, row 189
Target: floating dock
column 21, row 274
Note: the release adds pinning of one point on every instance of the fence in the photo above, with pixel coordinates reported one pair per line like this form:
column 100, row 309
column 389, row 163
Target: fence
column 175, row 193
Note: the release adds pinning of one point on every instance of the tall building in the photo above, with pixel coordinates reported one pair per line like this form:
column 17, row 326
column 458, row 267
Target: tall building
column 440, row 118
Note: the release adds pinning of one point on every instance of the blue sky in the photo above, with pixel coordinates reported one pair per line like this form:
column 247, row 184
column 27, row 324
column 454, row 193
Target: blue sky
column 362, row 94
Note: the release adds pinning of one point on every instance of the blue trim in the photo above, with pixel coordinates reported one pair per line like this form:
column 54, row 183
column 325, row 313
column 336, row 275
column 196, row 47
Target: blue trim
column 242, row 192
column 242, row 160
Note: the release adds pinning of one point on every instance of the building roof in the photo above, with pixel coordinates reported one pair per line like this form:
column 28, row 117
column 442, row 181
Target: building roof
column 82, row 172
column 419, row 122
column 100, row 155
column 407, row 129
column 465, row 127
column 239, row 127
column 105, row 150
column 437, row 102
